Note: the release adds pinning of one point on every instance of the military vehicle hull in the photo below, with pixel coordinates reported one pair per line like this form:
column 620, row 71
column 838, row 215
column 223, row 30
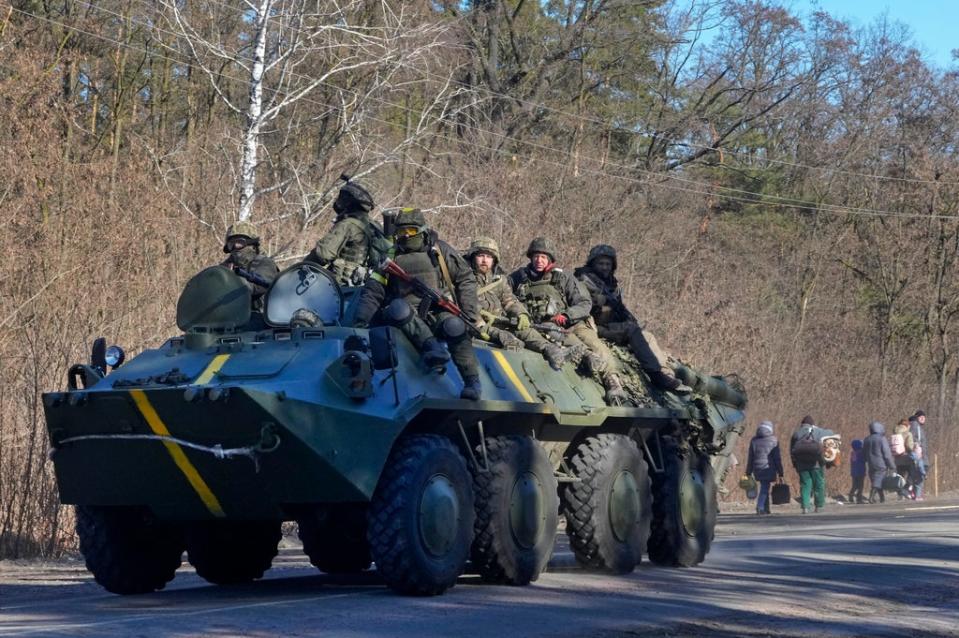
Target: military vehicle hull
column 272, row 423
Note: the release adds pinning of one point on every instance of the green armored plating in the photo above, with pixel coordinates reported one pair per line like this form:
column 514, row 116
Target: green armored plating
column 247, row 419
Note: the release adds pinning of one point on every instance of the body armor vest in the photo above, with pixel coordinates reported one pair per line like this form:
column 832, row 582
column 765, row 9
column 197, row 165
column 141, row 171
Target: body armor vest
column 542, row 298
column 420, row 265
column 356, row 250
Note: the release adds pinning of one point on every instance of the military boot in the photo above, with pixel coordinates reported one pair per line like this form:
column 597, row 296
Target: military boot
column 668, row 382
column 615, row 393
column 556, row 356
column 434, row 355
column 471, row 388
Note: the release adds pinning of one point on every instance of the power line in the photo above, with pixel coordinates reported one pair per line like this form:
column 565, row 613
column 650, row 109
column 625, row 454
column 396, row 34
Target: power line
column 709, row 189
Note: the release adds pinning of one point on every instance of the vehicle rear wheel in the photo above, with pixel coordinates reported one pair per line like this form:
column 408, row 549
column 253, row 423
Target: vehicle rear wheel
column 127, row 550
column 516, row 511
column 421, row 516
column 232, row 552
column 335, row 539
column 608, row 509
column 684, row 509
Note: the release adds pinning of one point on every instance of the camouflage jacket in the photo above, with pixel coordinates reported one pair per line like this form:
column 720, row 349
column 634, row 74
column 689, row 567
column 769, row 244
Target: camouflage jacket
column 496, row 297
column 352, row 243
column 550, row 293
column 606, row 295
column 380, row 288
column 258, row 264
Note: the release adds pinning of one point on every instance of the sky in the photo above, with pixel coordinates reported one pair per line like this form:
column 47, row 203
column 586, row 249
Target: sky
column 934, row 23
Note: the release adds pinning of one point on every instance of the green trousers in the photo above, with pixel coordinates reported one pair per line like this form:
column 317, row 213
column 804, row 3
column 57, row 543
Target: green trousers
column 814, row 481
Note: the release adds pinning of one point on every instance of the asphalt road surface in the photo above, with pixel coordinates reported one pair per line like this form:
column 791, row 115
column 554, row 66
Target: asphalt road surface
column 889, row 570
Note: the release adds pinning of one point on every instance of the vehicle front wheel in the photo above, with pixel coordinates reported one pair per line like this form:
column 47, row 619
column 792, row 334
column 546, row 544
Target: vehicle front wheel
column 421, row 516
column 232, row 552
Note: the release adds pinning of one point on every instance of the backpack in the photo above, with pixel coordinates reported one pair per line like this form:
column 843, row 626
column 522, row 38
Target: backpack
column 807, row 449
column 897, row 443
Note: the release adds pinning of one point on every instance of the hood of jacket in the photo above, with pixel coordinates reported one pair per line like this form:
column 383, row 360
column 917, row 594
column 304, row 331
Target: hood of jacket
column 765, row 429
column 857, row 444
column 877, row 428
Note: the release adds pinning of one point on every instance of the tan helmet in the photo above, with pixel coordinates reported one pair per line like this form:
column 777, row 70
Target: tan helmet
column 483, row 245
column 601, row 250
column 241, row 229
column 541, row 245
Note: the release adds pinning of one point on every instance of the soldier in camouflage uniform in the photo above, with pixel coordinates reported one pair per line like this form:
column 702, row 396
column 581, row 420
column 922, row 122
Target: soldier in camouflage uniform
column 242, row 244
column 560, row 305
column 355, row 244
column 421, row 254
column 498, row 305
column 616, row 323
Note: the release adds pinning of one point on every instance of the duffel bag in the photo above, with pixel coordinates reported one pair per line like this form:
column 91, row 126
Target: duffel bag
column 780, row 494
column 893, row 482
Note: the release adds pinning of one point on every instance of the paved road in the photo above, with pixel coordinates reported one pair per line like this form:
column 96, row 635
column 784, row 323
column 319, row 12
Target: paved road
column 888, row 570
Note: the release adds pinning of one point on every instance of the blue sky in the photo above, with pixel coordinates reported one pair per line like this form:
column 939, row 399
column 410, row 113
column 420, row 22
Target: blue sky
column 934, row 23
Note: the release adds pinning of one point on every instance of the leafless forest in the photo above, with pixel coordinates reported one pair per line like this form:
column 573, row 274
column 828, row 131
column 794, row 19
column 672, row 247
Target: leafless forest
column 782, row 190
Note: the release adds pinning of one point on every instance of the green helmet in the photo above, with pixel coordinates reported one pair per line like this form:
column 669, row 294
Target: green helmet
column 241, row 229
column 411, row 217
column 541, row 245
column 601, row 250
column 354, row 195
column 483, row 245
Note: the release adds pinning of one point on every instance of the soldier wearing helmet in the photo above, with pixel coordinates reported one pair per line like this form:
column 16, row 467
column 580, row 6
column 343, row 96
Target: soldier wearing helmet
column 615, row 322
column 498, row 305
column 421, row 254
column 242, row 244
column 559, row 302
column 354, row 244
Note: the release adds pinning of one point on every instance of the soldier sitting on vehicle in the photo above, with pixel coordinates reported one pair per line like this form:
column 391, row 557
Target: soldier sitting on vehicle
column 616, row 323
column 504, row 319
column 560, row 308
column 420, row 254
column 242, row 243
column 355, row 244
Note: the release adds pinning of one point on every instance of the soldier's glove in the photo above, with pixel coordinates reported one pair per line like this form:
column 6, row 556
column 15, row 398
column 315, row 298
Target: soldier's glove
column 358, row 277
column 560, row 320
column 523, row 322
column 483, row 328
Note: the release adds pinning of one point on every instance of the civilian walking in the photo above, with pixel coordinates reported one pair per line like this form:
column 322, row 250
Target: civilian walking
column 764, row 463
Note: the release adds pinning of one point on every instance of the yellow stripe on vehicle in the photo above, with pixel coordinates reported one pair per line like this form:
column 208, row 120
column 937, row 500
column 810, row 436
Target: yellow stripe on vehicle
column 214, row 367
column 179, row 457
column 511, row 375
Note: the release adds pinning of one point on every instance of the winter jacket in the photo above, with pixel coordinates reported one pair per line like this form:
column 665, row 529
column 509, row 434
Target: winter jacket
column 919, row 438
column 907, row 439
column 764, row 462
column 857, row 460
column 875, row 449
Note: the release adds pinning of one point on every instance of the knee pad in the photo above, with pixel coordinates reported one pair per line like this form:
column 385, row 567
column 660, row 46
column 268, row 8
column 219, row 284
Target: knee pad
column 452, row 329
column 398, row 313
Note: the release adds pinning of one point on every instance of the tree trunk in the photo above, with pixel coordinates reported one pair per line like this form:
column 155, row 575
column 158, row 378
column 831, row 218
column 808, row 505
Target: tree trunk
column 254, row 113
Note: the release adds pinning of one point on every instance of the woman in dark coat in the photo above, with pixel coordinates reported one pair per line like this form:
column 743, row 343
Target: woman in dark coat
column 764, row 463
column 879, row 459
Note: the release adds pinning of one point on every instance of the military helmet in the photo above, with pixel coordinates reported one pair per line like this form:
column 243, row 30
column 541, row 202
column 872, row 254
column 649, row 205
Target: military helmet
column 357, row 192
column 601, row 250
column 483, row 245
column 410, row 217
column 541, row 245
column 241, row 229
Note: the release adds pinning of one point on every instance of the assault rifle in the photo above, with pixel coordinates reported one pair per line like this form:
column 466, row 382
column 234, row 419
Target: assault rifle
column 499, row 321
column 253, row 277
column 552, row 331
column 430, row 296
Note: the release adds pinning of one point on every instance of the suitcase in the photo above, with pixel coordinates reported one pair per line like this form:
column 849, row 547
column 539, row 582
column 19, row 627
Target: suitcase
column 780, row 494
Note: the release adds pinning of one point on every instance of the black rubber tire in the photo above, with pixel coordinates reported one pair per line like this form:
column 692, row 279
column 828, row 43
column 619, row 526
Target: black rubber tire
column 232, row 552
column 335, row 539
column 599, row 462
column 396, row 539
column 671, row 544
column 126, row 550
column 497, row 553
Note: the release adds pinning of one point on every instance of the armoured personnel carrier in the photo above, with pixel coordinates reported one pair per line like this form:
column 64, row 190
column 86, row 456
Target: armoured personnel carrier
column 209, row 442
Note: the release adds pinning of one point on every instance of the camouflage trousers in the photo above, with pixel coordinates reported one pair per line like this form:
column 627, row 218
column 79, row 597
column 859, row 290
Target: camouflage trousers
column 529, row 339
column 642, row 344
column 418, row 330
column 583, row 335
